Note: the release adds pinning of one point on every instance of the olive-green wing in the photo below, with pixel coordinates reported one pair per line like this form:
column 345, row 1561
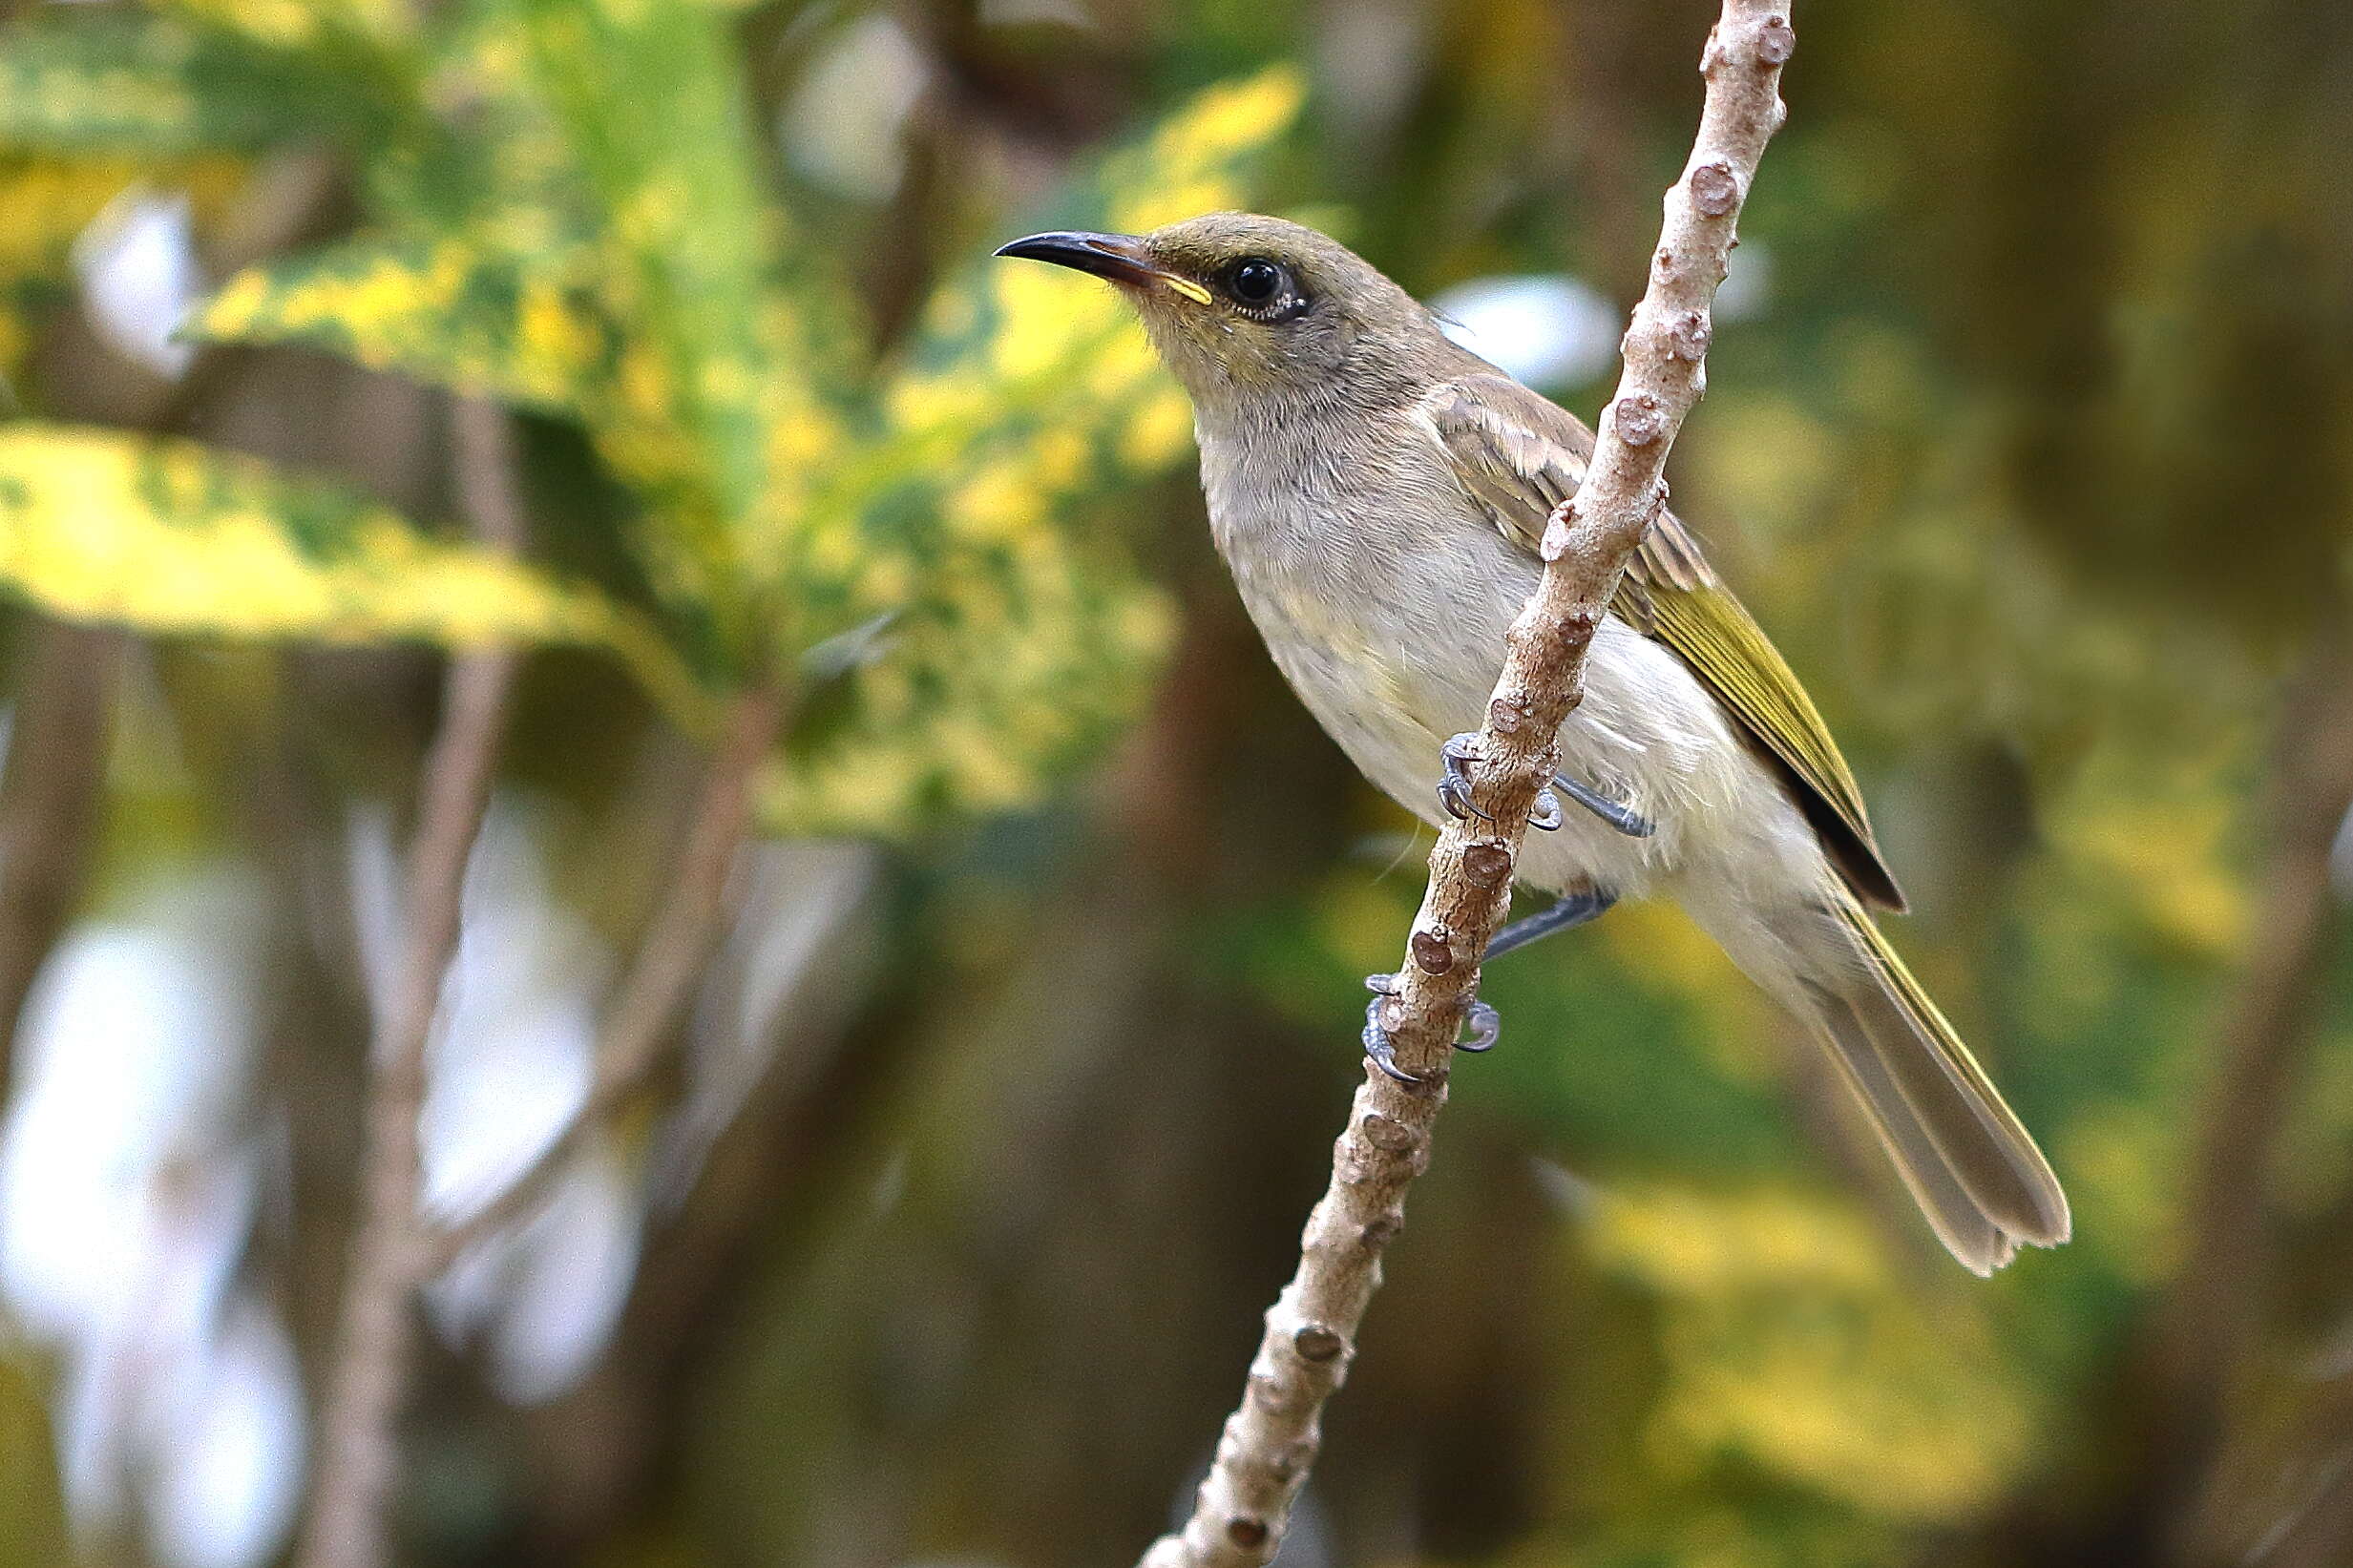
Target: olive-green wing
column 1519, row 456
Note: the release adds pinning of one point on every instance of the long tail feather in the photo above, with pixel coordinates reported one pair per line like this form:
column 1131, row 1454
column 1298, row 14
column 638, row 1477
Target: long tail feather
column 1978, row 1177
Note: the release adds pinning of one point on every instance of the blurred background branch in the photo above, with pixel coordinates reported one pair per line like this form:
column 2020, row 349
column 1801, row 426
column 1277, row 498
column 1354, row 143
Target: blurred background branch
column 358, row 1451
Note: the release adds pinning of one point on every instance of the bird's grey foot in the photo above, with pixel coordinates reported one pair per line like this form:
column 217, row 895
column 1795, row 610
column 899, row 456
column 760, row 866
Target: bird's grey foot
column 1378, row 1049
column 1616, row 813
column 1454, row 793
column 1485, row 1023
column 1454, row 784
column 1574, row 909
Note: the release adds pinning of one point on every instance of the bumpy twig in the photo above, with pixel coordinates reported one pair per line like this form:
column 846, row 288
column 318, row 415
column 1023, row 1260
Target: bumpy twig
column 1271, row 1440
column 358, row 1451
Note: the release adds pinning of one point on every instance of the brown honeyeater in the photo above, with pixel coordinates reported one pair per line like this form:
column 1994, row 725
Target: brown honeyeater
column 1379, row 492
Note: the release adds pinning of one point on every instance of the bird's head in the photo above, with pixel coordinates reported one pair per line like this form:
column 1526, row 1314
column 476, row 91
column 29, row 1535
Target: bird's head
column 1253, row 313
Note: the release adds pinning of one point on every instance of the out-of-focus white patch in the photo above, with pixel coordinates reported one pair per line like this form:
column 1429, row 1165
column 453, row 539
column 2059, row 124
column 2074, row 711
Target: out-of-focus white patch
column 238, row 1418
column 797, row 899
column 138, row 267
column 371, row 876
column 516, row 1044
column 1747, row 290
column 546, row 1296
column 1569, row 1193
column 133, row 1050
column 1548, row 329
column 844, row 124
column 512, row 1064
column 128, row 1187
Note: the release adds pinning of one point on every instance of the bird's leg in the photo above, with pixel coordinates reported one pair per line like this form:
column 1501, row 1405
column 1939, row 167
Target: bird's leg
column 1616, row 813
column 1572, row 909
column 1454, row 793
column 1485, row 1023
column 1482, row 1020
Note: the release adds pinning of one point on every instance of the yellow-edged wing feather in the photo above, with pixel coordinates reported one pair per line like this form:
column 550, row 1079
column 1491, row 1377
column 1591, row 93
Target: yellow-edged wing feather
column 1520, row 456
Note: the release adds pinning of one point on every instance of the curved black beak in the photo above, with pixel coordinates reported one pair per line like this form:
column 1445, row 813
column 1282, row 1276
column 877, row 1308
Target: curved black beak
column 1119, row 258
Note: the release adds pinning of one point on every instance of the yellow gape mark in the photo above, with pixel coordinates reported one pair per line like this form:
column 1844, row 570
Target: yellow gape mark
column 1188, row 287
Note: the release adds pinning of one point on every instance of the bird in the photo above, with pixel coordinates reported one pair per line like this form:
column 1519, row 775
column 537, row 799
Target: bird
column 1378, row 492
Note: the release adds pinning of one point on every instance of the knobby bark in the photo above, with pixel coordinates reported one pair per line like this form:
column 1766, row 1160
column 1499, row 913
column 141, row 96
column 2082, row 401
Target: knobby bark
column 1269, row 1443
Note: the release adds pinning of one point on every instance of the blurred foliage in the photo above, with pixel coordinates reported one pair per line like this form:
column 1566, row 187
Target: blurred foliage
column 2033, row 450
column 170, row 538
column 565, row 211
column 33, row 1528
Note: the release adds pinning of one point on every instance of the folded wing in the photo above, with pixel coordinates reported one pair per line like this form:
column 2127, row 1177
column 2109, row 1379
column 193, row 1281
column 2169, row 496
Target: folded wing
column 1520, row 456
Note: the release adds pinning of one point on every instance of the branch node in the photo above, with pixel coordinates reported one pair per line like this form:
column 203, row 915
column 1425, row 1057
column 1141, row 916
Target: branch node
column 1387, row 1134
column 1487, row 866
column 1639, row 419
column 1715, row 190
column 1776, row 41
column 1315, row 1342
column 1688, row 336
column 1555, row 543
column 1246, row 1531
column 1432, row 950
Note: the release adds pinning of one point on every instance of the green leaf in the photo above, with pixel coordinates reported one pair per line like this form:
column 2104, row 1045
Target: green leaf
column 119, row 82
column 997, row 684
column 172, row 537
column 1025, row 387
column 1020, row 635
column 720, row 415
column 441, row 309
column 307, row 24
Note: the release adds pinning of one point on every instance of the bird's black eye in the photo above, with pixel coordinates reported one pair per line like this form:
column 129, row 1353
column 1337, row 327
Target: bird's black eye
column 1257, row 281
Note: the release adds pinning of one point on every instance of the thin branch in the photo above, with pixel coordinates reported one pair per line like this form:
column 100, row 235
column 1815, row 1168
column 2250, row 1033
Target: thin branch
column 358, row 1456
column 51, row 792
column 2214, row 1308
column 1271, row 1440
column 676, row 945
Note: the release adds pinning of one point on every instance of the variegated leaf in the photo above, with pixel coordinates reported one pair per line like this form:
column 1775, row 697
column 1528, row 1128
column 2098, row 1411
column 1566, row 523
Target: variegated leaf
column 172, row 537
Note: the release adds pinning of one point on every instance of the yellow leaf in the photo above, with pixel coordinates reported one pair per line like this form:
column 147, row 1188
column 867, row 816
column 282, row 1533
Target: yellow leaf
column 172, row 537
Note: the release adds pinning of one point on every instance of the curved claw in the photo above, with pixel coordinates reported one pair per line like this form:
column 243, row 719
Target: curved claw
column 1548, row 815
column 1377, row 1047
column 1454, row 785
column 1486, row 1026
